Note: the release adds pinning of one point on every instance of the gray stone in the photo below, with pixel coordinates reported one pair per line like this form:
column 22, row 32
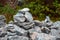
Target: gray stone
column 18, row 38
column 10, row 26
column 28, row 16
column 42, row 36
column 55, row 33
column 47, row 19
column 10, row 29
column 2, row 21
column 16, row 30
column 10, row 34
column 26, row 25
column 56, row 24
column 24, row 18
column 19, row 17
column 3, row 33
column 48, row 22
column 20, row 30
column 38, row 23
column 25, row 28
column 36, row 29
column 3, row 38
column 2, row 18
column 2, row 24
column 23, row 15
column 3, row 30
column 23, row 38
column 45, row 30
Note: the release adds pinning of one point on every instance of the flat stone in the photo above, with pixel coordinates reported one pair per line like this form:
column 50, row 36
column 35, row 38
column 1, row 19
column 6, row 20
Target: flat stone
column 29, row 16
column 26, row 25
column 36, row 29
column 20, row 30
column 38, row 23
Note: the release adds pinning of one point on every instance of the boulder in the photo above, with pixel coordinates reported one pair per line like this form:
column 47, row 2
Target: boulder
column 23, row 15
column 42, row 36
column 55, row 29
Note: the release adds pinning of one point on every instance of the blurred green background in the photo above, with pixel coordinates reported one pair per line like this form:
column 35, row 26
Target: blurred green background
column 39, row 9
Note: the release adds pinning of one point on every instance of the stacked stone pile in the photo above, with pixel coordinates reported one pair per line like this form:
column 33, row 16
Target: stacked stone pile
column 25, row 28
column 3, row 30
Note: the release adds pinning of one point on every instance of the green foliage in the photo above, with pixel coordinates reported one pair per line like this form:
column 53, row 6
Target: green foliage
column 57, row 5
column 38, row 8
column 8, row 12
column 7, row 9
column 1, row 5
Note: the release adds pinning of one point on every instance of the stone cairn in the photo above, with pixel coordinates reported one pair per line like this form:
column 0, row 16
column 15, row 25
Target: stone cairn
column 3, row 30
column 25, row 28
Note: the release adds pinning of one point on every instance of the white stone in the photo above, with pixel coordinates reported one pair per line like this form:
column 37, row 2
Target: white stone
column 19, row 18
column 25, row 9
column 29, row 16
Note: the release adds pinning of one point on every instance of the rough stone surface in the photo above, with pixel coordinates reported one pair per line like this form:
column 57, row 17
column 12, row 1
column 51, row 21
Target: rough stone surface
column 19, row 17
column 26, row 25
column 25, row 28
column 2, row 20
column 42, row 36
column 36, row 29
column 24, row 18
column 3, row 30
column 55, row 31
column 47, row 22
column 38, row 23
column 23, row 15
column 18, row 38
